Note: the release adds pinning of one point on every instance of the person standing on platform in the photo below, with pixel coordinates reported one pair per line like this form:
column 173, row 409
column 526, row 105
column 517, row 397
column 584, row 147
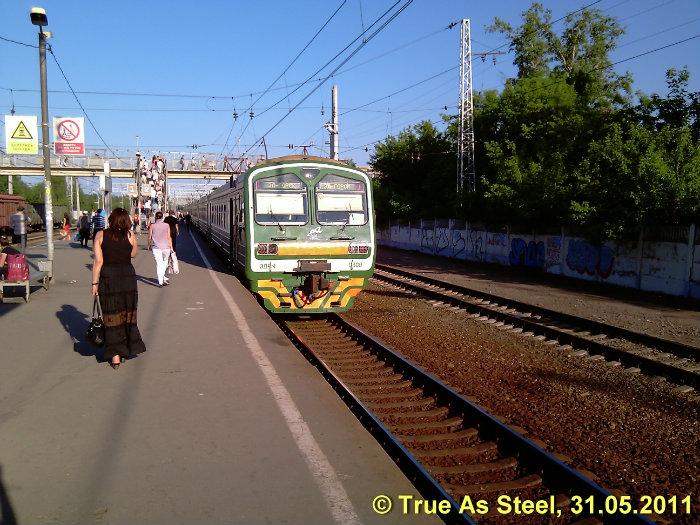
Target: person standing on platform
column 84, row 229
column 188, row 220
column 19, row 222
column 160, row 242
column 98, row 224
column 114, row 283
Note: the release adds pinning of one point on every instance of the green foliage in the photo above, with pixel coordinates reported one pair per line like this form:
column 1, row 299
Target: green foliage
column 34, row 193
column 561, row 144
column 417, row 174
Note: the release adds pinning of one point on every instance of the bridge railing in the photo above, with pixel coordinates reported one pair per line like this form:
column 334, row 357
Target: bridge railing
column 175, row 161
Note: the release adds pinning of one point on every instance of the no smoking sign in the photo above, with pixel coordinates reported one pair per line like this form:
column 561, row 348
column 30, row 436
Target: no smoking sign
column 69, row 137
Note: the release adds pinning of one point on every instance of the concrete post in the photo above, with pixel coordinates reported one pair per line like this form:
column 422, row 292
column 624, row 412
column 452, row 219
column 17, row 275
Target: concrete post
column 691, row 258
column 48, row 200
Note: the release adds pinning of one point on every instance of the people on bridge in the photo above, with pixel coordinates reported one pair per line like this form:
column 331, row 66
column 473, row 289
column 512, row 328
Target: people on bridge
column 182, row 162
column 160, row 242
column 114, row 283
column 84, row 229
column 19, row 222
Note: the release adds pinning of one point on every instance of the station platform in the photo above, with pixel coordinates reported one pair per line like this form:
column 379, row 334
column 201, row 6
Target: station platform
column 221, row 421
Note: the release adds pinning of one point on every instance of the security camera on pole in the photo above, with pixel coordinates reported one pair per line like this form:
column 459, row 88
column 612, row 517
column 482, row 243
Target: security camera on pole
column 38, row 18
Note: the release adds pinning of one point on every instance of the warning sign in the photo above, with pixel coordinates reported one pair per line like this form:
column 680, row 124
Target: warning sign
column 68, row 136
column 21, row 137
column 21, row 132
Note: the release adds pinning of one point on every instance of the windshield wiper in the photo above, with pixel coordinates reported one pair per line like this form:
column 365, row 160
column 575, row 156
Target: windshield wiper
column 283, row 238
column 274, row 218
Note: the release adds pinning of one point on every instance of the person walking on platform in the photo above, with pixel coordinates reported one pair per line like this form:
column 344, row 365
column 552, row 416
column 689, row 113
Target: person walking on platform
column 171, row 221
column 19, row 222
column 65, row 227
column 160, row 242
column 84, row 229
column 114, row 283
column 98, row 224
column 188, row 220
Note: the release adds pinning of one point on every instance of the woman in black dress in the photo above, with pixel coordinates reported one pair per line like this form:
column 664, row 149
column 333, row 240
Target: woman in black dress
column 114, row 279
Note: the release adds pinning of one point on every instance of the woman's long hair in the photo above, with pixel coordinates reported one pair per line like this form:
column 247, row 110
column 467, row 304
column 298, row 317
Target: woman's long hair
column 119, row 224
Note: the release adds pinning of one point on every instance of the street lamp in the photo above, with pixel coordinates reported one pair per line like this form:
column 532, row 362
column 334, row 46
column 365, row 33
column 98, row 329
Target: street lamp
column 38, row 18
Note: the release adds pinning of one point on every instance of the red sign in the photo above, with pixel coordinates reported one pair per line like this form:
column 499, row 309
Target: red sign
column 69, row 138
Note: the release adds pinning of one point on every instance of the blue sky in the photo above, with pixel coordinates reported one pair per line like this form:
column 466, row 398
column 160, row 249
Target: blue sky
column 226, row 49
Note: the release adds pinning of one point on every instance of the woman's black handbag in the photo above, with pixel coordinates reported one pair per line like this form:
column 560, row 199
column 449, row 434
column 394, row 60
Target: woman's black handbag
column 96, row 331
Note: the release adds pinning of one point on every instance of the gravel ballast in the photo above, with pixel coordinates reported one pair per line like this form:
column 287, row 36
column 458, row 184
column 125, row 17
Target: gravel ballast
column 635, row 433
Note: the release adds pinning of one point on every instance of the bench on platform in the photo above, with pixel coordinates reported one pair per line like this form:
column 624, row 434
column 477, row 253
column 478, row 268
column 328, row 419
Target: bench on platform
column 40, row 274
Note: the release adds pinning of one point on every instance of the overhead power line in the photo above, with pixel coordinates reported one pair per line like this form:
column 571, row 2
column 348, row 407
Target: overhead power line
column 50, row 48
column 18, row 43
column 342, row 63
column 311, row 77
column 271, row 85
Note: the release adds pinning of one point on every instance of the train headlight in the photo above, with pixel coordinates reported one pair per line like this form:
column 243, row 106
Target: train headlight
column 265, row 248
column 362, row 249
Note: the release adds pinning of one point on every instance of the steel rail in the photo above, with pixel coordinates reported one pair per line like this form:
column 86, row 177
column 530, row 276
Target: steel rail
column 646, row 364
column 556, row 475
column 674, row 347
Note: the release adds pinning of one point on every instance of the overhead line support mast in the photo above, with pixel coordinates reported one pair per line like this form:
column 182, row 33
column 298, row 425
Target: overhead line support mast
column 465, row 133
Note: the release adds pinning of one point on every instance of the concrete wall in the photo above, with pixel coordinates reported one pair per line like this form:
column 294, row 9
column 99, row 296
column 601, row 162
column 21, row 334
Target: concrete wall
column 671, row 267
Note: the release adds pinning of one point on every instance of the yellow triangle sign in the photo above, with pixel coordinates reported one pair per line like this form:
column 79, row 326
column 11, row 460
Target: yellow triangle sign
column 21, row 132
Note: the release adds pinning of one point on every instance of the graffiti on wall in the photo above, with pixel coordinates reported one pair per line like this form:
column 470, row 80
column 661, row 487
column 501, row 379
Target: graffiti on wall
column 442, row 241
column 497, row 239
column 553, row 253
column 458, row 243
column 476, row 245
column 426, row 241
column 583, row 257
column 530, row 254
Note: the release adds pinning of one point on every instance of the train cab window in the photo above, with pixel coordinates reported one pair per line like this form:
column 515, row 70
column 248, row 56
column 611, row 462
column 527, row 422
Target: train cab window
column 340, row 200
column 281, row 199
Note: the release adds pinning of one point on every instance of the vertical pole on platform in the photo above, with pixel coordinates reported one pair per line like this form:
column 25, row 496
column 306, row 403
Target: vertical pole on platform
column 48, row 200
column 10, row 188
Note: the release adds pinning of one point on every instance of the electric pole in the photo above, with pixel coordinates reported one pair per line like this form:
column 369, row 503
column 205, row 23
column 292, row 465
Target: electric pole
column 465, row 134
column 38, row 18
column 332, row 126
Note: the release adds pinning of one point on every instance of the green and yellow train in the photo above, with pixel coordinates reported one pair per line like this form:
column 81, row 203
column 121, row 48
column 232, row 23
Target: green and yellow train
column 298, row 229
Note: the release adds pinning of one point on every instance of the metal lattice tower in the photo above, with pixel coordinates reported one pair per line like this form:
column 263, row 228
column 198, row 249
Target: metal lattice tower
column 465, row 134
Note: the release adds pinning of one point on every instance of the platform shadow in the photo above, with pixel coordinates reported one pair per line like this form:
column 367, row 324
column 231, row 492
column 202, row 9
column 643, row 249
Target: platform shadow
column 7, row 513
column 76, row 324
column 151, row 281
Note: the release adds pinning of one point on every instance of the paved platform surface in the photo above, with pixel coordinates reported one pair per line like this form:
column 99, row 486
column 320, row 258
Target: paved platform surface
column 220, row 421
column 661, row 315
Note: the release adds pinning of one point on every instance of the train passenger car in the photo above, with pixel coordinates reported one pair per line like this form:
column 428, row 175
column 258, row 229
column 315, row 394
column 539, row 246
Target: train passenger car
column 299, row 229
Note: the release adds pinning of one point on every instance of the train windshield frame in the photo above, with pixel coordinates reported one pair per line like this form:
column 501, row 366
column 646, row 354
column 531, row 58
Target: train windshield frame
column 341, row 201
column 281, row 200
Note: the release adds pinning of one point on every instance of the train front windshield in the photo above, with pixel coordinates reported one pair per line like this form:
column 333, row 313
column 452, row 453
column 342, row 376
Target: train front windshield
column 281, row 199
column 341, row 200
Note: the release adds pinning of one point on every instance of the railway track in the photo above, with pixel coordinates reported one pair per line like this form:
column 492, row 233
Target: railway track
column 449, row 448
column 652, row 355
